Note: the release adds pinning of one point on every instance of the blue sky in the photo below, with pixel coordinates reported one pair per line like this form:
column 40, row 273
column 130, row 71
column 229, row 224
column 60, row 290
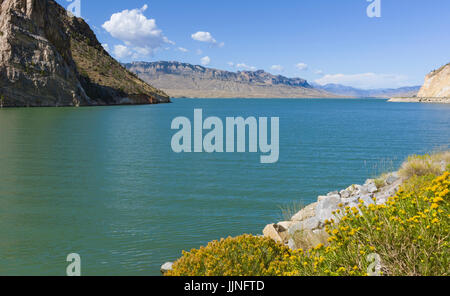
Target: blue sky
column 326, row 41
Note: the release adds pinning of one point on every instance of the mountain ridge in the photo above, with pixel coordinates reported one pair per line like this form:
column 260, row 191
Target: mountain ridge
column 259, row 76
column 187, row 80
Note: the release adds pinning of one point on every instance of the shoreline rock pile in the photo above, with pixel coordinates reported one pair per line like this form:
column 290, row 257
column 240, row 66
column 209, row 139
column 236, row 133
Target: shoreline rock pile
column 166, row 267
column 310, row 221
column 444, row 100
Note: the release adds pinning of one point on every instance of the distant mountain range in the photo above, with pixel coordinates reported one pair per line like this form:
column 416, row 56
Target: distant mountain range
column 193, row 81
column 349, row 91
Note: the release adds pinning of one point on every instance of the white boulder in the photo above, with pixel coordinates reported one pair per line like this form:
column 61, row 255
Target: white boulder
column 168, row 266
column 307, row 212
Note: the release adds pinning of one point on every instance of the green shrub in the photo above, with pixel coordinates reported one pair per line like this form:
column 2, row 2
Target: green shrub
column 241, row 256
column 287, row 212
column 381, row 181
column 307, row 239
column 420, row 165
column 443, row 156
column 409, row 234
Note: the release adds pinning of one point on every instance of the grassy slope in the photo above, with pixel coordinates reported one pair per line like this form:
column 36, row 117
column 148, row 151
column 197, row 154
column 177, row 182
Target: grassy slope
column 93, row 62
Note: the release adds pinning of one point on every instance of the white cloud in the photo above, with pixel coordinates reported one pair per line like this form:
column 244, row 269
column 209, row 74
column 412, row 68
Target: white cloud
column 245, row 67
column 122, row 52
column 206, row 37
column 142, row 52
column 241, row 66
column 277, row 68
column 182, row 49
column 319, row 72
column 301, row 66
column 366, row 80
column 205, row 61
column 139, row 34
column 125, row 52
column 203, row 37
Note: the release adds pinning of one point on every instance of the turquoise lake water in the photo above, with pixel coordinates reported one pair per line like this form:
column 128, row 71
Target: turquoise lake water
column 103, row 182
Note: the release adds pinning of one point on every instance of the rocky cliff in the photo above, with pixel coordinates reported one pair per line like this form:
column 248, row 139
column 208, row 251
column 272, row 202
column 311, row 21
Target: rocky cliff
column 436, row 89
column 437, row 84
column 186, row 80
column 50, row 58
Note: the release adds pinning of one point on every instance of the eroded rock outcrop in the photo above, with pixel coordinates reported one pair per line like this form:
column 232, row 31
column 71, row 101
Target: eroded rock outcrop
column 50, row 58
column 437, row 84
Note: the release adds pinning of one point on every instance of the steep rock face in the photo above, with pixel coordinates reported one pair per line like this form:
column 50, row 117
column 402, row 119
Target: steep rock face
column 186, row 80
column 437, row 84
column 49, row 58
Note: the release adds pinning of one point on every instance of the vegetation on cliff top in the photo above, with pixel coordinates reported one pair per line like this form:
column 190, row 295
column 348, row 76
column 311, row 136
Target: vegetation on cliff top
column 408, row 235
column 96, row 65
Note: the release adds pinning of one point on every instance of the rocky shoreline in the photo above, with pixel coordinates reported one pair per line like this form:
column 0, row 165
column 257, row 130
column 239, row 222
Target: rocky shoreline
column 421, row 100
column 307, row 227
